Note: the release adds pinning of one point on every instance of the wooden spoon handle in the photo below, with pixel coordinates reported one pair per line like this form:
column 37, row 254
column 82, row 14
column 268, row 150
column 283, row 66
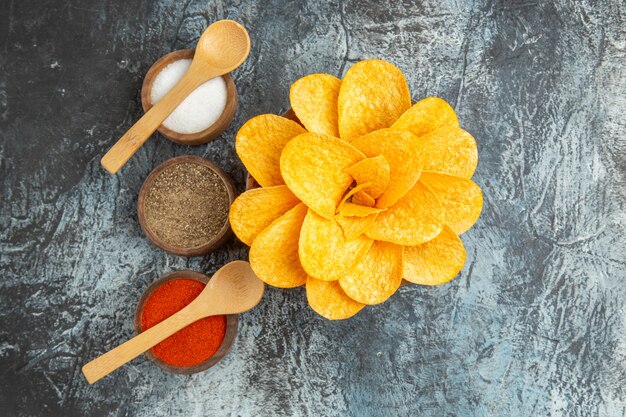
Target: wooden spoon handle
column 132, row 140
column 129, row 350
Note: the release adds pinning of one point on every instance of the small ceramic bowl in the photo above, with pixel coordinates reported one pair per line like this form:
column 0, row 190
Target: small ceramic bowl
column 218, row 240
column 229, row 337
column 205, row 135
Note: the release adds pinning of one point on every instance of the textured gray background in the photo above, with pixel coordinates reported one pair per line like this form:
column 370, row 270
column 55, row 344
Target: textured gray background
column 535, row 324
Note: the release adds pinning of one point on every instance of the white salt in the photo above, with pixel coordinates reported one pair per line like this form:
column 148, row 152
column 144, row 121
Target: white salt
column 200, row 109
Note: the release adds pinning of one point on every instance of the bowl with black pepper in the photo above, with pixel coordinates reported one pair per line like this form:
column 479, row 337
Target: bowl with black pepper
column 183, row 206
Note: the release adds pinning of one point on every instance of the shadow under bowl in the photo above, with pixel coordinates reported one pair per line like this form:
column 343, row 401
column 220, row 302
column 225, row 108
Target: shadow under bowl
column 229, row 337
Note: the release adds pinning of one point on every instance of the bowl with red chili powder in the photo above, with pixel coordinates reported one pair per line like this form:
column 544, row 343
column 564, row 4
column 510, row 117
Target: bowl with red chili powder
column 198, row 346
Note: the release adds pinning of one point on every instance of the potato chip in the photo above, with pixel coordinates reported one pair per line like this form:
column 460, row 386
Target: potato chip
column 259, row 144
column 435, row 262
column 416, row 218
column 363, row 199
column 350, row 193
column 426, row 116
column 314, row 100
column 274, row 253
column 372, row 96
column 328, row 300
column 356, row 210
column 312, row 166
column 449, row 150
column 324, row 251
column 404, row 156
column 353, row 226
column 256, row 209
column 374, row 171
column 460, row 197
column 376, row 276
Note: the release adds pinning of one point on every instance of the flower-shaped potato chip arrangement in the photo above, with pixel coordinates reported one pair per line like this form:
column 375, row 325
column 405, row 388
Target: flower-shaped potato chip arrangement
column 367, row 191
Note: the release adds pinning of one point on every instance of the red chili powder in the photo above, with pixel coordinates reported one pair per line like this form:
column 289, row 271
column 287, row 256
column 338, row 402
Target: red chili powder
column 195, row 343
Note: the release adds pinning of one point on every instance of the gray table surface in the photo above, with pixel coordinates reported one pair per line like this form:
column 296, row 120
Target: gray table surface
column 535, row 324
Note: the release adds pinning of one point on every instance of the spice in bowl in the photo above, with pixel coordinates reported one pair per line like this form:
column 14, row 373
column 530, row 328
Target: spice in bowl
column 184, row 204
column 187, row 205
column 200, row 109
column 196, row 347
column 195, row 343
column 204, row 114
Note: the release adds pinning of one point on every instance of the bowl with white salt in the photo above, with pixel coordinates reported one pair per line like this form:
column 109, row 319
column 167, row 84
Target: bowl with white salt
column 204, row 114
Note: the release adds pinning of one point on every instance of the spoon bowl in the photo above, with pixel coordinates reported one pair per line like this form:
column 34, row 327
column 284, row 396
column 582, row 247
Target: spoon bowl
column 224, row 45
column 233, row 289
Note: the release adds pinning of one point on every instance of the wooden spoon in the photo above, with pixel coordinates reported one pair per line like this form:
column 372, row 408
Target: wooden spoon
column 232, row 290
column 222, row 47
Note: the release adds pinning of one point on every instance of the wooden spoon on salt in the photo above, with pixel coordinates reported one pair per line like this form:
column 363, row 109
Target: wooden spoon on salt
column 233, row 289
column 222, row 47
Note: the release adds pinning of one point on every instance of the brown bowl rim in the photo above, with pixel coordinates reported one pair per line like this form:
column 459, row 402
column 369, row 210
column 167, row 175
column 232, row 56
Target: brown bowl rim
column 218, row 240
column 197, row 138
column 232, row 321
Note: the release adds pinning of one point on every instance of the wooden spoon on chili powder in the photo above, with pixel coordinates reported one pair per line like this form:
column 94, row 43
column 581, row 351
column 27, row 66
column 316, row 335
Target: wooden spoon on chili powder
column 233, row 289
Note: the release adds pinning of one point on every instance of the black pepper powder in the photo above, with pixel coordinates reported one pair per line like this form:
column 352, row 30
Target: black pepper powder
column 187, row 205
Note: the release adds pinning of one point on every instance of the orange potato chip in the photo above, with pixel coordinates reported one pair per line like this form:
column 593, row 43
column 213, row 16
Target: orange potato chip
column 324, row 251
column 274, row 253
column 363, row 199
column 461, row 198
column 256, row 209
column 350, row 193
column 353, row 227
column 416, row 218
column 376, row 276
column 435, row 262
column 402, row 152
column 312, row 166
column 356, row 210
column 372, row 96
column 259, row 144
column 449, row 150
column 427, row 115
column 314, row 100
column 374, row 171
column 328, row 300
